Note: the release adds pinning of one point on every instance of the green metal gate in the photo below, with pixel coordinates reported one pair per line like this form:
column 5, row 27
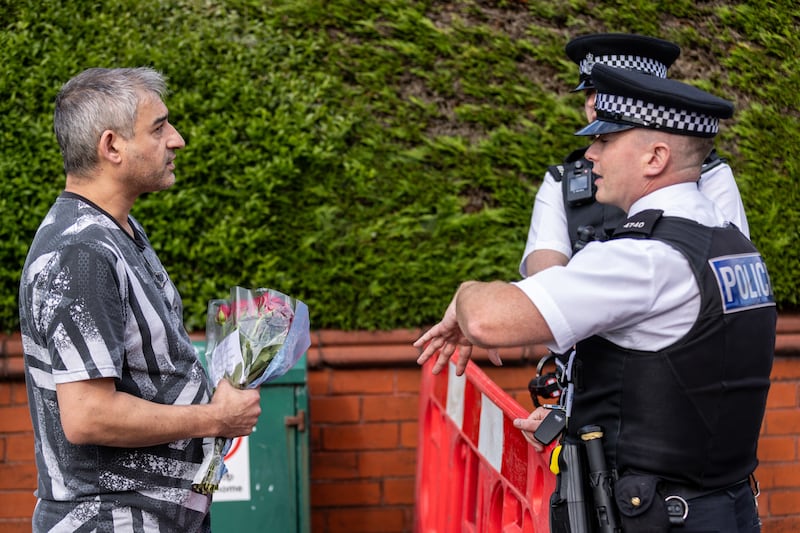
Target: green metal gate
column 275, row 458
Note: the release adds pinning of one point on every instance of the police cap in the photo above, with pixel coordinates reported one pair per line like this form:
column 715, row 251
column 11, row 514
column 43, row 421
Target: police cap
column 627, row 99
column 621, row 50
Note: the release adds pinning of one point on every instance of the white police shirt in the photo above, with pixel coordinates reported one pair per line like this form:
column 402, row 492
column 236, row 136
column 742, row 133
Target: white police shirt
column 637, row 293
column 548, row 229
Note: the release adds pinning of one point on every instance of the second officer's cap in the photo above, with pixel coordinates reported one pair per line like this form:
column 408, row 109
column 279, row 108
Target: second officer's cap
column 627, row 99
column 621, row 50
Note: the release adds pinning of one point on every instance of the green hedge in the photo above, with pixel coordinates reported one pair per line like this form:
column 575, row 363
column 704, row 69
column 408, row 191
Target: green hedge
column 366, row 156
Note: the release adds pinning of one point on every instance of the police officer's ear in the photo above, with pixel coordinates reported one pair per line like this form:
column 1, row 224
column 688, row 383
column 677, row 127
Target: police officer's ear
column 657, row 157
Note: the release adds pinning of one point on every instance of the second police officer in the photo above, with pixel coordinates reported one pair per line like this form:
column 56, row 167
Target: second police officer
column 565, row 202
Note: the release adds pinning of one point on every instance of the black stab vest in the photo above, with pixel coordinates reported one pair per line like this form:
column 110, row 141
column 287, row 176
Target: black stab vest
column 690, row 413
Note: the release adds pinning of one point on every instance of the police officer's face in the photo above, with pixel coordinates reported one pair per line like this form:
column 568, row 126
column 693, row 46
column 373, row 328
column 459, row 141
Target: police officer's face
column 618, row 159
column 588, row 105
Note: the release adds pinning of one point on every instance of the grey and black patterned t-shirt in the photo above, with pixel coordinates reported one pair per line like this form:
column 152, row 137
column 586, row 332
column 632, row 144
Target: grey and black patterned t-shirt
column 96, row 303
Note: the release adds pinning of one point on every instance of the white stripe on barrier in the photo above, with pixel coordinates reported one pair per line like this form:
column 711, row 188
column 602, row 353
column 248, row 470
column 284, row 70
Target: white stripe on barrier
column 490, row 436
column 455, row 396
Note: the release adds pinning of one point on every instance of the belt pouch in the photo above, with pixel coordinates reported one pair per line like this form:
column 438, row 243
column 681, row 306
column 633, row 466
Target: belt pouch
column 641, row 507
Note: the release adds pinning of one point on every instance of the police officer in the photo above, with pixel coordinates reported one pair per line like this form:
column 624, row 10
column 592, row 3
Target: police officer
column 565, row 214
column 673, row 317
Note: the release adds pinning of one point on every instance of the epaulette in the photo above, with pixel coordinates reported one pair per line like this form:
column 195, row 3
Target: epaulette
column 576, row 154
column 713, row 160
column 639, row 225
column 558, row 171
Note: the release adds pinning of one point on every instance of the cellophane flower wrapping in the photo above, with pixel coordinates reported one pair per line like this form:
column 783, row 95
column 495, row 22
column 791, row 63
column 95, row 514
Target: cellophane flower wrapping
column 252, row 337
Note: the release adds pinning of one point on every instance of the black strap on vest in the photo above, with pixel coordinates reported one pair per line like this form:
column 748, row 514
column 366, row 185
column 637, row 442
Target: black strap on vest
column 640, row 225
column 713, row 160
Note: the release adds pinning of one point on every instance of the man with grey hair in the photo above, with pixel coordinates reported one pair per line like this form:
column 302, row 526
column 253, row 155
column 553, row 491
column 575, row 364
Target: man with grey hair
column 119, row 401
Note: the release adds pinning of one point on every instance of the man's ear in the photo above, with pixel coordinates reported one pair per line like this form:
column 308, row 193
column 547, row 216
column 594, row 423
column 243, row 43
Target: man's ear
column 108, row 149
column 658, row 158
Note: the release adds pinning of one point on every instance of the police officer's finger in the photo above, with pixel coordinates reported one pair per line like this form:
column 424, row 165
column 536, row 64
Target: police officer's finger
column 430, row 349
column 532, row 440
column 464, row 354
column 442, row 360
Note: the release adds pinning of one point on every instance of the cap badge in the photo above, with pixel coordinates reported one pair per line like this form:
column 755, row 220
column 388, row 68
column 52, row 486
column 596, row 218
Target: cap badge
column 589, row 63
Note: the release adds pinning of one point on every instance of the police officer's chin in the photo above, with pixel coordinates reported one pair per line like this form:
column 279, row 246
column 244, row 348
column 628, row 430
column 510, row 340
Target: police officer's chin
column 598, row 179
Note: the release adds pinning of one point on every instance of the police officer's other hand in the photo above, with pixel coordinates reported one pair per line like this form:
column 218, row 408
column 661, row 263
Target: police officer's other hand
column 529, row 425
column 238, row 410
column 444, row 338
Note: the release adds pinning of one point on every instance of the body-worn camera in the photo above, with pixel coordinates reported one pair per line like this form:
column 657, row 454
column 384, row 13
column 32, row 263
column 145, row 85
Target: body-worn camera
column 579, row 183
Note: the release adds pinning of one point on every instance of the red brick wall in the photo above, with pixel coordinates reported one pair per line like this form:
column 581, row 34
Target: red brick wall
column 363, row 410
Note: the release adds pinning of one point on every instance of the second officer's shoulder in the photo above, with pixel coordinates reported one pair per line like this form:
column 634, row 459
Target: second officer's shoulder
column 575, row 157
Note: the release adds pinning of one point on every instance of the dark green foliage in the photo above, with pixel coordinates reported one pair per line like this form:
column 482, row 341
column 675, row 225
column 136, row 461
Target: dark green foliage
column 366, row 156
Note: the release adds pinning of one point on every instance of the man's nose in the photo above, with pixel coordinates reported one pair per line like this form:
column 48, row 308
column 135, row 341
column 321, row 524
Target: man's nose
column 177, row 140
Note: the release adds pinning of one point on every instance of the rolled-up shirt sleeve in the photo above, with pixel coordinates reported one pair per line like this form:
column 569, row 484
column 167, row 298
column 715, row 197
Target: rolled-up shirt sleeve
column 640, row 294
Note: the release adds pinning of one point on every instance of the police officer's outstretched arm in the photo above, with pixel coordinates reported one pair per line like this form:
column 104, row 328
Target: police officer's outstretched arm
column 489, row 315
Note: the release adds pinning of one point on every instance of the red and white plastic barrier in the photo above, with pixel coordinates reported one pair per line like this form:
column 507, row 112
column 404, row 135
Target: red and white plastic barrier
column 476, row 472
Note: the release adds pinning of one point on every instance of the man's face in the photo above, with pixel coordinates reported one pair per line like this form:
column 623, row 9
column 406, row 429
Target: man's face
column 149, row 154
column 616, row 158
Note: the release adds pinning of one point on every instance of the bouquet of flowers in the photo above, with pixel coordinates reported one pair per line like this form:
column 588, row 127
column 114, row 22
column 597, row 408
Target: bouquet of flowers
column 254, row 336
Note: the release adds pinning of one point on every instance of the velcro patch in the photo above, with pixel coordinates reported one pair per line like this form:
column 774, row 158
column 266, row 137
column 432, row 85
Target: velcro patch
column 743, row 282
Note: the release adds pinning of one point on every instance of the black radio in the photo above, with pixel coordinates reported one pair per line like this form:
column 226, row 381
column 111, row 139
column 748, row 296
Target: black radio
column 579, row 183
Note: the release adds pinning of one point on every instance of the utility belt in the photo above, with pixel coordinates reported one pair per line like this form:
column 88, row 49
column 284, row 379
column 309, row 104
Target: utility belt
column 591, row 498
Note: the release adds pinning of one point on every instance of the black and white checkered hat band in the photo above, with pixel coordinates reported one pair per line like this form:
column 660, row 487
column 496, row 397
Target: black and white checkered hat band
column 630, row 110
column 642, row 64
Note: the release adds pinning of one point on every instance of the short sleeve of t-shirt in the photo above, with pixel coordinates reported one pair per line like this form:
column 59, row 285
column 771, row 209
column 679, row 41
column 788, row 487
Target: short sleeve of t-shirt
column 81, row 312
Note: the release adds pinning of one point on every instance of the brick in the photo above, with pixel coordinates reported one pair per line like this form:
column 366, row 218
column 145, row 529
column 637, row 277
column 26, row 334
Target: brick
column 315, row 437
column 318, row 381
column 15, row 419
column 788, row 476
column 15, row 476
column 409, row 380
column 787, row 344
column 511, row 378
column 780, row 525
column 363, row 382
column 398, row 491
column 777, row 449
column 782, row 422
column 524, row 399
column 386, row 354
column 409, row 434
column 387, row 463
column 783, row 394
column 332, row 409
column 19, row 394
column 19, row 525
column 784, row 368
column 788, row 323
column 361, row 437
column 331, row 337
column 334, row 465
column 19, row 447
column 17, row 504
column 319, row 521
column 765, row 474
column 5, row 394
column 784, row 503
column 347, row 493
column 373, row 520
column 388, row 408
